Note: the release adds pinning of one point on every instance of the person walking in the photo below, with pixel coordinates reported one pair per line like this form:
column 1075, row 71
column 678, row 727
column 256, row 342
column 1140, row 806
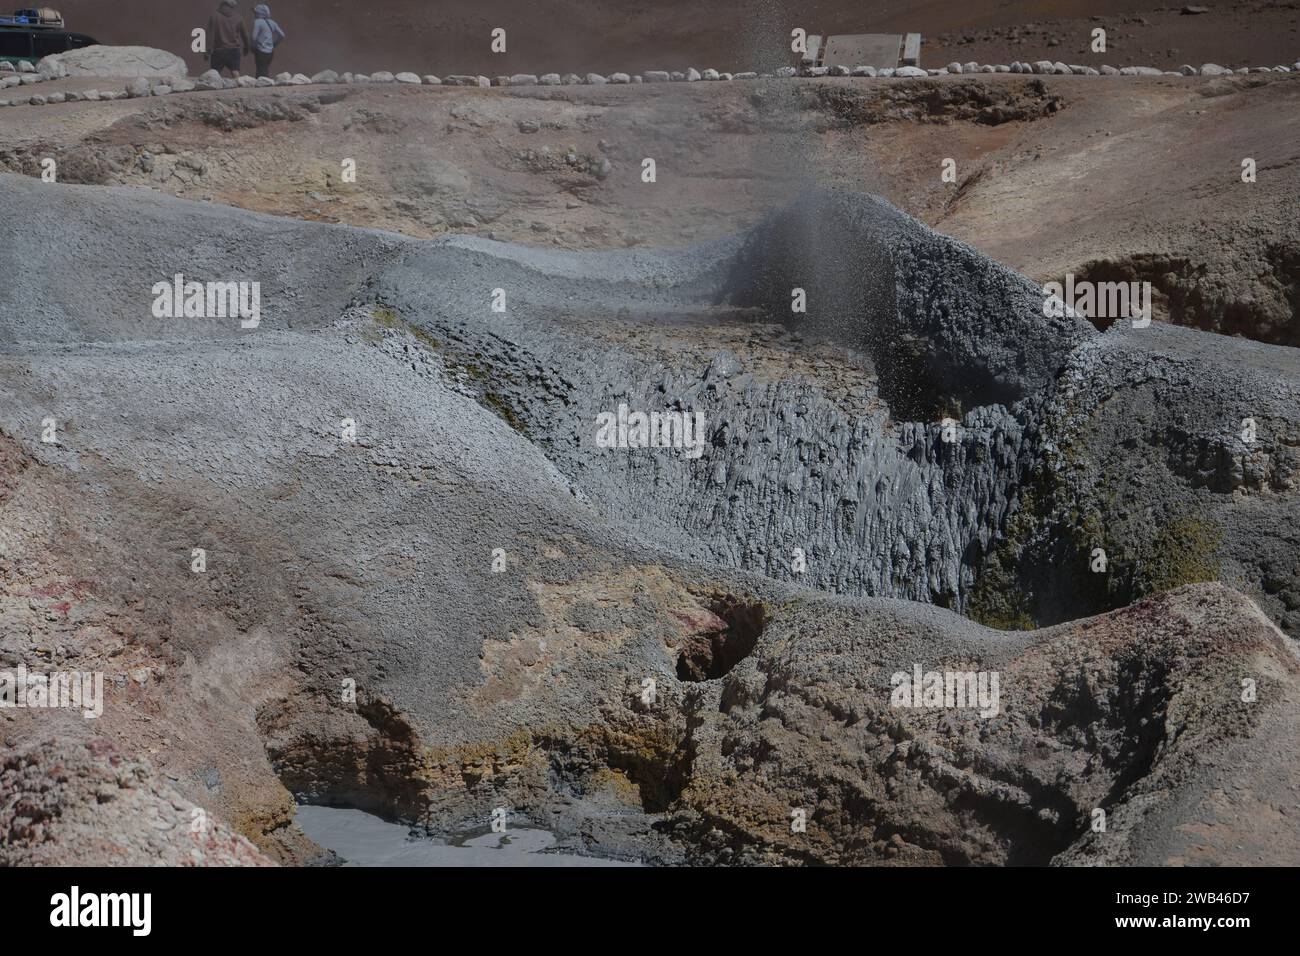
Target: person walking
column 227, row 38
column 266, row 37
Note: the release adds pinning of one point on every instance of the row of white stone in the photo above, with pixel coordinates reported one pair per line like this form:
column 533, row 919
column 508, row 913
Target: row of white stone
column 1047, row 66
column 25, row 75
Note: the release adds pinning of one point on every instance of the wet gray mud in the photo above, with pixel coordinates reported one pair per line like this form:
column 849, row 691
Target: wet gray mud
column 358, row 838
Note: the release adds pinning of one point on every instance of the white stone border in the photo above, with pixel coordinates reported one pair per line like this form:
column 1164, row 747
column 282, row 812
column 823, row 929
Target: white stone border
column 211, row 80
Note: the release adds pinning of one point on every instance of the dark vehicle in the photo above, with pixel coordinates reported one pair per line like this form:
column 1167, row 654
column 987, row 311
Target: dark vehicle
column 35, row 33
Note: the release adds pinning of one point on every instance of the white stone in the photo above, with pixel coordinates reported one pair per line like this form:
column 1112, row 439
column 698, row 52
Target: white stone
column 52, row 68
column 124, row 61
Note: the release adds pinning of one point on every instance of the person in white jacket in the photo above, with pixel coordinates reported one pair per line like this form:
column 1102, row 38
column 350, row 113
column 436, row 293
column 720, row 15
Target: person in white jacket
column 266, row 37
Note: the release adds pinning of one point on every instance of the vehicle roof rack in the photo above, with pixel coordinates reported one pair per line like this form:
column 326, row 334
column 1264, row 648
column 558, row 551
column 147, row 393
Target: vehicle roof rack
column 43, row 18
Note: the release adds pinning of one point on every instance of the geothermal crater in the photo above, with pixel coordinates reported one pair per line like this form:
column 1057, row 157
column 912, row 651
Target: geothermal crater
column 460, row 602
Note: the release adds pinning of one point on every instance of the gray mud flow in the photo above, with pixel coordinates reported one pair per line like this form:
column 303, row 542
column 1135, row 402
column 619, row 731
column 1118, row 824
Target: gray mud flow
column 824, row 427
column 918, row 470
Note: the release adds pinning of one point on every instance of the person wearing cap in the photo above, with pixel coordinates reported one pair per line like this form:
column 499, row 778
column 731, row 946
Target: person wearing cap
column 266, row 37
column 227, row 38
